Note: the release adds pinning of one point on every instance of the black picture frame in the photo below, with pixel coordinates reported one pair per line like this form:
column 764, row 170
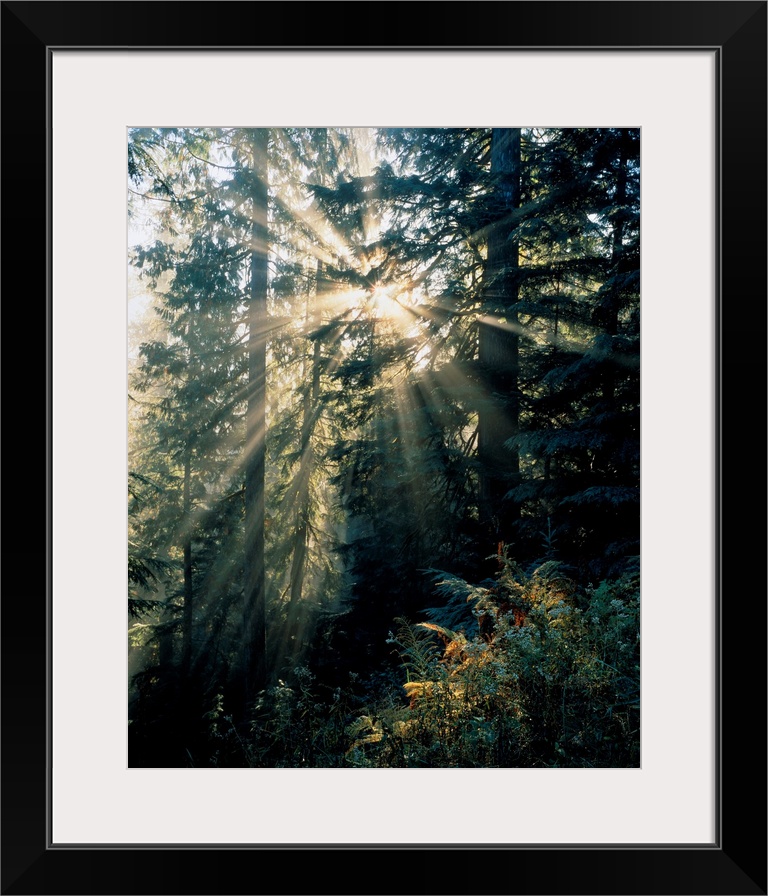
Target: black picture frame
column 736, row 862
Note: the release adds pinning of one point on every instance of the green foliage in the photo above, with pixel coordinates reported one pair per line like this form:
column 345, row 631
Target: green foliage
column 146, row 570
column 295, row 724
column 552, row 680
column 418, row 652
column 456, row 601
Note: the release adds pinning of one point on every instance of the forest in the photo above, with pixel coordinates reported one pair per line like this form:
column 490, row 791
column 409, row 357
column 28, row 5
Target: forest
column 383, row 447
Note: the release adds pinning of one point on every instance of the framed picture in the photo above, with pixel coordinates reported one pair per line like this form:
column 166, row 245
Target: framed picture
column 689, row 79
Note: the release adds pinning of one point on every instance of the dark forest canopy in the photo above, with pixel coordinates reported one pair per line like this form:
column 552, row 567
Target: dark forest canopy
column 384, row 449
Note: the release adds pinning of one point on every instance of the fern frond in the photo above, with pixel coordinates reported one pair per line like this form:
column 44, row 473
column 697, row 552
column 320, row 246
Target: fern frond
column 362, row 724
column 417, row 650
column 445, row 633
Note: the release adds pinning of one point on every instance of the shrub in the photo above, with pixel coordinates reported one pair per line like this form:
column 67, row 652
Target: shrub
column 549, row 677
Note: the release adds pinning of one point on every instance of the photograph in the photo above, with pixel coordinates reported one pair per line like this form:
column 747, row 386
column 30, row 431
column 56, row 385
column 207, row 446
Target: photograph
column 400, row 442
column 384, row 447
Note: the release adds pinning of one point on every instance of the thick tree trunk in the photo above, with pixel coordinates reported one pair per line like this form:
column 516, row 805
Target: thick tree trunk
column 499, row 346
column 255, row 640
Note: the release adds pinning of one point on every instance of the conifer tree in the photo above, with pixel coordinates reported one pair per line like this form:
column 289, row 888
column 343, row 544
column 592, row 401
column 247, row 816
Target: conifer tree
column 580, row 432
column 193, row 373
column 254, row 609
column 498, row 340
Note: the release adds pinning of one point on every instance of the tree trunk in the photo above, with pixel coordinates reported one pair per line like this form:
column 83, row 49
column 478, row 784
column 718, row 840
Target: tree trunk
column 309, row 412
column 254, row 640
column 498, row 348
column 609, row 310
column 186, row 634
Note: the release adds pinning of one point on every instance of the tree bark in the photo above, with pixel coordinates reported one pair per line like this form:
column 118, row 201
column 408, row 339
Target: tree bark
column 498, row 345
column 186, row 635
column 255, row 636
